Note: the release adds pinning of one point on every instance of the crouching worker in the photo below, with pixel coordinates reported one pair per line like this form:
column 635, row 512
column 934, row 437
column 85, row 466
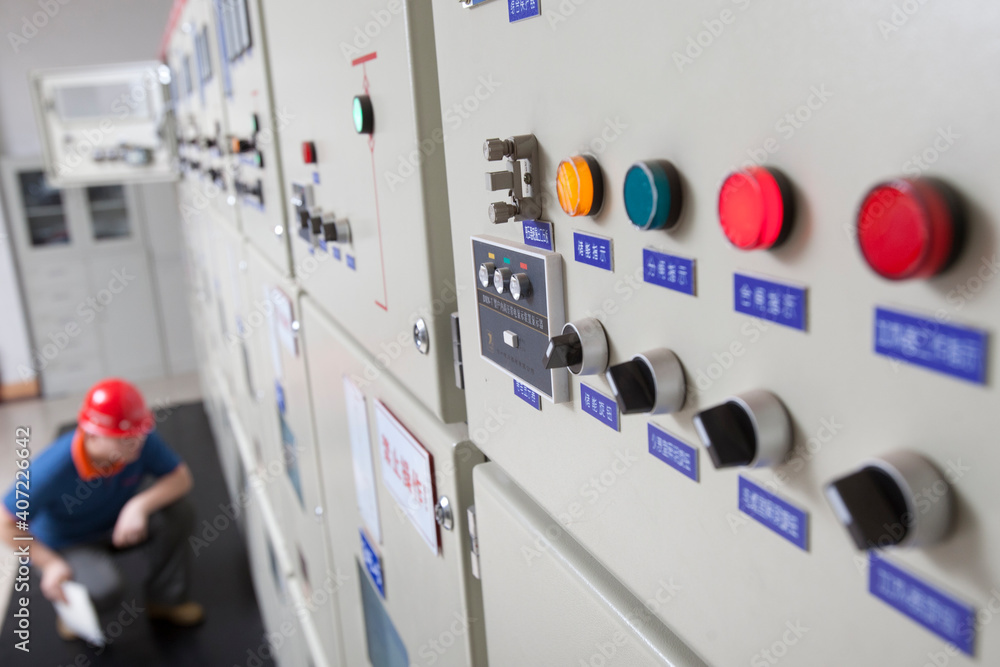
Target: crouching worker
column 85, row 505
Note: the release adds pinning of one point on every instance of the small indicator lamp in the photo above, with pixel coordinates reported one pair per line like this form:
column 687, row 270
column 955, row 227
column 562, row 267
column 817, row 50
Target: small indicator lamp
column 580, row 186
column 364, row 115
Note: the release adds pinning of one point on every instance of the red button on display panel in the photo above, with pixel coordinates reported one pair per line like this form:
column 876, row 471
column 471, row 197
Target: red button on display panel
column 909, row 228
column 755, row 208
column 308, row 152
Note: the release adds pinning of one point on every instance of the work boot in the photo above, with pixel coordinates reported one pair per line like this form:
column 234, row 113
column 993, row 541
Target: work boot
column 184, row 614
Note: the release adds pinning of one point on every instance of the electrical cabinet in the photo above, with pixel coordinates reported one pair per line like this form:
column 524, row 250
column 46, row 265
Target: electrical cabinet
column 200, row 83
column 548, row 601
column 757, row 315
column 397, row 485
column 106, row 124
column 254, row 123
column 363, row 161
column 289, row 460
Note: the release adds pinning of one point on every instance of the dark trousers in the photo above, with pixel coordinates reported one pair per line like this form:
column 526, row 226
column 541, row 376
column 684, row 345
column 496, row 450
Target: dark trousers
column 165, row 554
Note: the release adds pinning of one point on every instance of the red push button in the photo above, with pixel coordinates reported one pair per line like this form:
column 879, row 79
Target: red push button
column 308, row 152
column 755, row 208
column 909, row 228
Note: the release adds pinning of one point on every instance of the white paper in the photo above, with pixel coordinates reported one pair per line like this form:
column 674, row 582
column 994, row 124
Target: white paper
column 407, row 472
column 78, row 613
column 361, row 454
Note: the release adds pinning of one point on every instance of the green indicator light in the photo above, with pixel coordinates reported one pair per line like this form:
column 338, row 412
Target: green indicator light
column 506, row 260
column 359, row 115
column 364, row 116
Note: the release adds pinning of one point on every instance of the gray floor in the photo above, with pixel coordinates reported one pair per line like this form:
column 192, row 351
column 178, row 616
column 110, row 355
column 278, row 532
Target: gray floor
column 233, row 633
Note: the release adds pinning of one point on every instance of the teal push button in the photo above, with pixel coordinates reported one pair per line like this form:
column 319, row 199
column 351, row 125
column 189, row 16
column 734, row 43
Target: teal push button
column 653, row 194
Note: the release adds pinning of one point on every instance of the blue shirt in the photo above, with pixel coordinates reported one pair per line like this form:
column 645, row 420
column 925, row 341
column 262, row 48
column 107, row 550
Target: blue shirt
column 64, row 509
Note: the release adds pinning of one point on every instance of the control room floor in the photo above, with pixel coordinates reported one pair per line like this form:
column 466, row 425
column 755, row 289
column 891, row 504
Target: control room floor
column 233, row 626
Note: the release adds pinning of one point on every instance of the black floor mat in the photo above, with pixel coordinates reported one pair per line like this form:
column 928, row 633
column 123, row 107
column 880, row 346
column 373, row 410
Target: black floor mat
column 232, row 633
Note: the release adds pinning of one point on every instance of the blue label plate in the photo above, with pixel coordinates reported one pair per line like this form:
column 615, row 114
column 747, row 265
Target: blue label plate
column 957, row 351
column 775, row 302
column 336, row 252
column 279, row 392
column 518, row 10
column 373, row 564
column 350, row 263
column 670, row 271
column 316, row 177
column 948, row 618
column 593, row 250
column 538, row 234
column 680, row 456
column 786, row 520
column 528, row 395
column 599, row 406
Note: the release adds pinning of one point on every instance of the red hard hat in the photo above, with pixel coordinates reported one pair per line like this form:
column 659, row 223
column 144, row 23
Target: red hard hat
column 115, row 408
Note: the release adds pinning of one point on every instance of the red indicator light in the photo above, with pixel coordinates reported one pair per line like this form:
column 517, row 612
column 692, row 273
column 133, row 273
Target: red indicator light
column 308, row 152
column 755, row 208
column 909, row 228
column 524, row 266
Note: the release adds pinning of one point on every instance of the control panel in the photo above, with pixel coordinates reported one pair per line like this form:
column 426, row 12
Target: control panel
column 780, row 302
column 363, row 158
column 104, row 124
column 254, row 123
column 519, row 299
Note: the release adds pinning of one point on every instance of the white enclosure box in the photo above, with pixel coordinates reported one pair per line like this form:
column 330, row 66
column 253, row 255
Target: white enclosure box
column 106, row 124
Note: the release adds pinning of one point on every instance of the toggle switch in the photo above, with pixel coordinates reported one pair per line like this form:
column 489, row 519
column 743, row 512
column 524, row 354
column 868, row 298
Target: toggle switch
column 582, row 347
column 520, row 286
column 910, row 228
column 501, row 280
column 878, row 502
column 751, row 429
column 652, row 382
column 486, row 270
column 334, row 230
column 499, row 180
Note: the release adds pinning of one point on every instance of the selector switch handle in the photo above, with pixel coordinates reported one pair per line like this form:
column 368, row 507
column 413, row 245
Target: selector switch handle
column 751, row 429
column 564, row 351
column 633, row 386
column 652, row 382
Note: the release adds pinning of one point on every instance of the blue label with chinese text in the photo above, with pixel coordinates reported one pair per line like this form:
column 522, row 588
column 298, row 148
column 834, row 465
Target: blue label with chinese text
column 786, row 520
column 599, row 406
column 670, row 271
column 680, row 456
column 538, row 234
column 528, row 395
column 373, row 564
column 775, row 302
column 518, row 10
column 592, row 250
column 957, row 351
column 948, row 618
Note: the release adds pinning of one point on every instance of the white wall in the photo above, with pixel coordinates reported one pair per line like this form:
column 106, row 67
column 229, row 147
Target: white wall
column 73, row 32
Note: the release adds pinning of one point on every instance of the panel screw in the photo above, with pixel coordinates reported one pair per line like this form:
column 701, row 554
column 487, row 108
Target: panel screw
column 421, row 338
column 442, row 513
